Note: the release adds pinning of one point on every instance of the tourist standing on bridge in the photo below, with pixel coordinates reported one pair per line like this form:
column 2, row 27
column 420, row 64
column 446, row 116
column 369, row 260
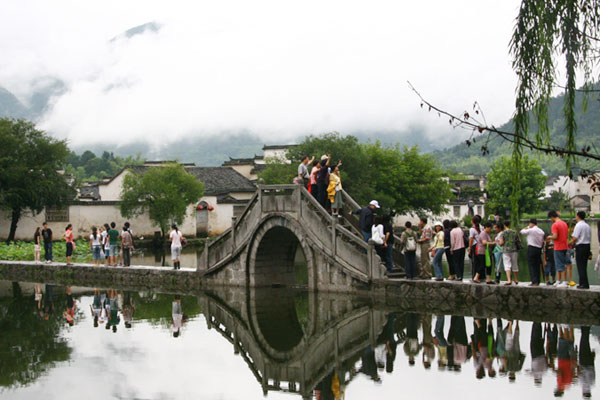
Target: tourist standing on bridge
column 70, row 243
column 323, row 181
column 389, row 240
column 408, row 239
column 447, row 251
column 303, row 175
column 113, row 239
column 47, row 236
column 484, row 241
column 425, row 236
column 581, row 237
column 474, row 233
column 106, row 243
column 499, row 228
column 438, row 249
column 126, row 245
column 365, row 221
column 314, row 190
column 535, row 243
column 560, row 232
column 457, row 248
column 549, row 265
column 176, row 238
column 334, row 190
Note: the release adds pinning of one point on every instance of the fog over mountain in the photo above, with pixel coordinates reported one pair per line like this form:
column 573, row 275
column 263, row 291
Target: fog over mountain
column 265, row 71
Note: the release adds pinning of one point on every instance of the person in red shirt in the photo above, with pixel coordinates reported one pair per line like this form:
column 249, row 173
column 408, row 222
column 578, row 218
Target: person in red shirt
column 560, row 234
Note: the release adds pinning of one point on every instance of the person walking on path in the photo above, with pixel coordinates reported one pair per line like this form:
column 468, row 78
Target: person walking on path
column 323, row 181
column 126, row 246
column 425, row 236
column 365, row 221
column 535, row 242
column 449, row 258
column 37, row 244
column 313, row 179
column 457, row 248
column 303, row 174
column 176, row 238
column 47, row 236
column 408, row 239
column 69, row 243
column 96, row 245
column 483, row 242
column 499, row 228
column 474, row 232
column 334, row 190
column 560, row 232
column 438, row 251
column 113, row 239
column 510, row 255
column 581, row 237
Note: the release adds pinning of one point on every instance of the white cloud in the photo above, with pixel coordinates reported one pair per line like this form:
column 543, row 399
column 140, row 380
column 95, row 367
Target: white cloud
column 277, row 69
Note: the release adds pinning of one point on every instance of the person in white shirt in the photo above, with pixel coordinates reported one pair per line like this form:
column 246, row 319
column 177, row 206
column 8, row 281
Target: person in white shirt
column 176, row 237
column 581, row 237
column 535, row 243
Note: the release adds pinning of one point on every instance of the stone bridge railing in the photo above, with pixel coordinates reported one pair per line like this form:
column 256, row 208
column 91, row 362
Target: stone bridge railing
column 340, row 244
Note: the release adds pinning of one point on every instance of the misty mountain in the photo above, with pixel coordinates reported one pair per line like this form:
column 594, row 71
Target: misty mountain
column 37, row 103
column 469, row 160
column 10, row 106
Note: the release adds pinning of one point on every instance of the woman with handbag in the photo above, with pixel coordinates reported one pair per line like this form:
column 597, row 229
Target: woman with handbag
column 334, row 190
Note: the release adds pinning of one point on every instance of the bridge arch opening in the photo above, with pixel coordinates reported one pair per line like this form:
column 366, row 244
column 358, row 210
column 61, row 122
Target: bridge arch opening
column 279, row 259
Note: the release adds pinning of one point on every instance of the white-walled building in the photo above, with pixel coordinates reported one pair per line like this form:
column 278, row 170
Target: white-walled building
column 579, row 192
column 226, row 193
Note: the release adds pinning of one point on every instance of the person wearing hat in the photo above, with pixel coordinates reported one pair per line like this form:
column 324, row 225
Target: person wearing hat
column 535, row 243
column 365, row 221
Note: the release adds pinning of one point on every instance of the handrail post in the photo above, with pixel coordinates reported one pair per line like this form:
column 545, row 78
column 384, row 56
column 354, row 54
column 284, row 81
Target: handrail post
column 233, row 220
column 370, row 251
column 298, row 195
column 206, row 247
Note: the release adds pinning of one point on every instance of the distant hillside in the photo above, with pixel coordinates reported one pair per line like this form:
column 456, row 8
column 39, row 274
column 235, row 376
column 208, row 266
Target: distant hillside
column 12, row 107
column 469, row 160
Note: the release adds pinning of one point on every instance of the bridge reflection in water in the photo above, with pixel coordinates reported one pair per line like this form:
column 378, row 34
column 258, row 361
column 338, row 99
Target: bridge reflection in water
column 293, row 341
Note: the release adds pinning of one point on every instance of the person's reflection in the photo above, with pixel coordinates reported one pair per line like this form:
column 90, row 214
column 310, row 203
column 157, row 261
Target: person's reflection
column 368, row 364
column 411, row 345
column 113, row 319
column 551, row 344
column 566, row 359
column 440, row 342
column 385, row 353
column 128, row 309
column 48, row 302
column 69, row 314
column 428, row 347
column 37, row 297
column 514, row 357
column 479, row 347
column 538, row 355
column 178, row 318
column 587, row 372
column 96, row 308
column 457, row 337
column 489, row 364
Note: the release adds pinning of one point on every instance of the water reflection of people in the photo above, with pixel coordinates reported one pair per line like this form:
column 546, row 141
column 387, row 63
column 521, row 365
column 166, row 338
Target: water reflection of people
column 587, row 372
column 428, row 347
column 411, row 345
column 368, row 364
column 538, row 355
column 178, row 318
column 37, row 297
column 481, row 344
column 566, row 359
column 69, row 314
column 96, row 308
column 440, row 342
column 128, row 309
column 457, row 338
column 48, row 301
column 514, row 357
column 113, row 314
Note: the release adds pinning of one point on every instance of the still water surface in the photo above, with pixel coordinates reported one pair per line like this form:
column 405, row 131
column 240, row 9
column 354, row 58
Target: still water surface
column 236, row 344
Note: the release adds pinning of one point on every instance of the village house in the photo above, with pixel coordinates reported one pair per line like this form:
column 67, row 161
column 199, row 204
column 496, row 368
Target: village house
column 251, row 167
column 226, row 193
column 581, row 196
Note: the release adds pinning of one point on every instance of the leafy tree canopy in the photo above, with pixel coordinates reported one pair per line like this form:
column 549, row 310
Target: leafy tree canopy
column 164, row 192
column 399, row 178
column 499, row 185
column 30, row 164
column 87, row 167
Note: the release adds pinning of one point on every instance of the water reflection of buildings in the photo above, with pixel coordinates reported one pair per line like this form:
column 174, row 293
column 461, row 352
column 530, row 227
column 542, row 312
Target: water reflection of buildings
column 319, row 345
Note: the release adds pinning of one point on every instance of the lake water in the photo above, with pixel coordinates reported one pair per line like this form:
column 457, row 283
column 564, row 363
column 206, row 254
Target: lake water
column 239, row 344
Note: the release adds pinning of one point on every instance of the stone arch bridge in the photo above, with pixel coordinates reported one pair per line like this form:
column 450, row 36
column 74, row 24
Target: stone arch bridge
column 260, row 247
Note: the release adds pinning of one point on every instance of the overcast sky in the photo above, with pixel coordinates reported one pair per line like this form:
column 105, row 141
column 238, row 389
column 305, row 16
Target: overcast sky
column 278, row 69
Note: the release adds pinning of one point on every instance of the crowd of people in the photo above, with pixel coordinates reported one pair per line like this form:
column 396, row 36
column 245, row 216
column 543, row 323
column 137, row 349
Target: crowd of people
column 323, row 181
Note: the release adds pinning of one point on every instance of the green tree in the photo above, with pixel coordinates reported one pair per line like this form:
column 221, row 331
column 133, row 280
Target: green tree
column 399, row 178
column 30, row 162
column 499, row 186
column 279, row 172
column 164, row 192
column 558, row 200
